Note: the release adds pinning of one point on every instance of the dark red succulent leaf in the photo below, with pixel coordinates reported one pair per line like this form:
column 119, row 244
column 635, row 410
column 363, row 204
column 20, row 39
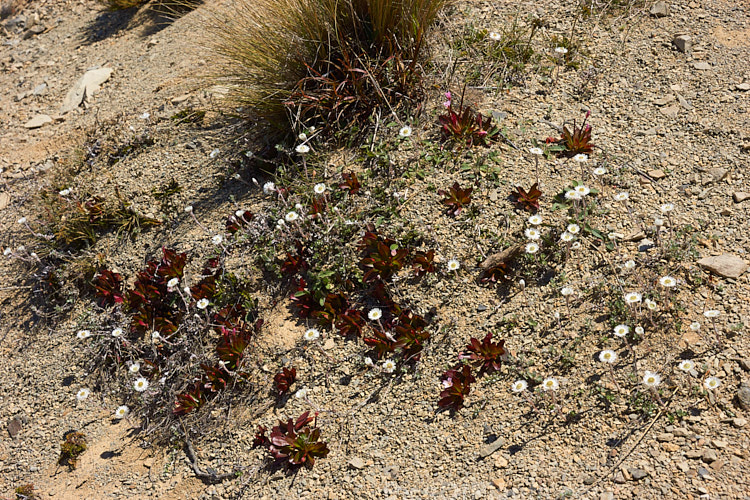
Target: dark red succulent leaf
column 384, row 261
column 382, row 343
column 351, row 183
column 350, row 323
column 296, row 262
column 237, row 221
column 498, row 272
column 260, row 439
column 424, row 262
column 577, row 140
column 456, row 386
column 216, row 378
column 334, row 305
column 231, row 347
column 528, row 200
column 467, row 126
column 297, row 442
column 456, row 198
column 318, row 206
column 189, row 401
column 486, row 354
column 108, row 288
column 283, row 380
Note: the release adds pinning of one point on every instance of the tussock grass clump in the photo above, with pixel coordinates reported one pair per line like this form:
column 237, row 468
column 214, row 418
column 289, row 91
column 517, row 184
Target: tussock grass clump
column 327, row 63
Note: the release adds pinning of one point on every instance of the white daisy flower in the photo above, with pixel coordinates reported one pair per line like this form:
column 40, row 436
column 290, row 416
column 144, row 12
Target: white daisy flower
column 658, row 222
column 582, row 190
column 82, row 394
column 632, row 297
column 581, row 158
column 134, row 368
column 536, row 151
column 375, row 314
column 561, row 50
column 532, row 247
column 600, row 171
column 572, row 195
column 155, row 336
column 532, row 233
column 621, row 330
column 239, row 214
column 629, row 265
column 453, row 265
column 302, row 149
column 121, row 412
column 65, row 192
column 214, row 153
column 301, row 394
column 712, row 383
column 311, row 334
column 576, row 245
column 608, row 356
column 567, row 237
column 302, row 136
column 574, row 228
column 695, row 326
column 622, row 196
column 269, row 188
column 141, row 384
column 188, row 209
column 173, row 282
column 405, row 131
column 668, row 281
column 535, row 220
column 202, row 304
column 712, row 313
column 217, row 239
column 494, row 36
column 7, row 251
column 22, row 220
column 686, row 365
column 83, row 334
column 567, row 291
column 389, row 366
column 639, row 330
column 291, row 216
column 519, row 386
column 550, row 384
column 651, row 379
column 117, row 333
column 667, row 207
column 368, row 361
column 650, row 304
column 319, row 188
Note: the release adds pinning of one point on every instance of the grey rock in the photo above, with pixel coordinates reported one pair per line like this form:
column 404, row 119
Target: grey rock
column 40, row 89
column 34, row 30
column 717, row 173
column 660, row 9
column 38, row 121
column 725, row 265
column 743, row 396
column 481, row 308
column 739, row 422
column 357, row 463
column 740, row 196
column 709, row 456
column 645, row 245
column 682, row 42
column 491, row 448
column 14, row 427
column 638, row 474
column 87, row 85
column 743, row 86
column 745, row 364
column 703, row 472
column 702, row 65
column 619, row 478
column 589, row 480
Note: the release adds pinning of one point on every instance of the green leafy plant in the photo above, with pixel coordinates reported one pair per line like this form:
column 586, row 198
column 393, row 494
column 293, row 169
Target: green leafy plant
column 73, row 445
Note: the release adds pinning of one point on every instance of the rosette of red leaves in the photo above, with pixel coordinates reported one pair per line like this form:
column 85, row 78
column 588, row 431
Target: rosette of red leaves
column 487, row 354
column 297, row 442
column 456, row 198
column 457, row 385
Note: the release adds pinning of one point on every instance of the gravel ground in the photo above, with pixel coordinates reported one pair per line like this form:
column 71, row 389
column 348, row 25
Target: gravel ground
column 669, row 126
